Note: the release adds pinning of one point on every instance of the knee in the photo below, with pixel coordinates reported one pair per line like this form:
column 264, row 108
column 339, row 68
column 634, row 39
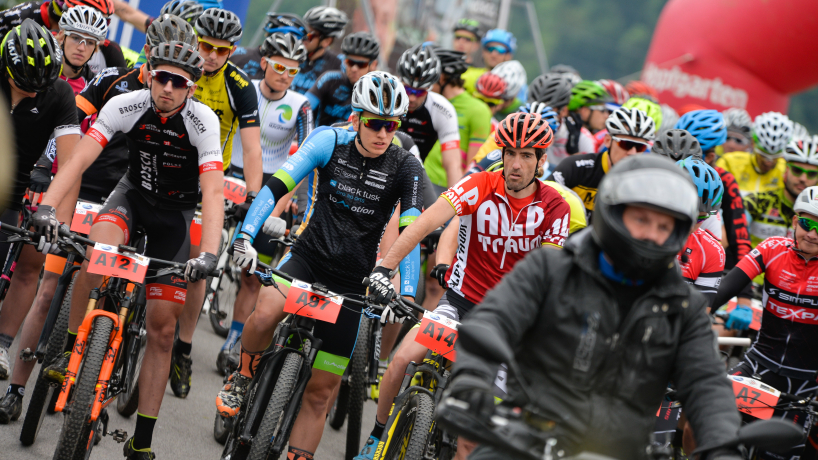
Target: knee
column 317, row 398
column 264, row 317
column 161, row 334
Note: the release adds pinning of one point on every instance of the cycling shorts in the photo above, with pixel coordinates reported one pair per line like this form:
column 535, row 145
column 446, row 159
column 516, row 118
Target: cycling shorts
column 167, row 232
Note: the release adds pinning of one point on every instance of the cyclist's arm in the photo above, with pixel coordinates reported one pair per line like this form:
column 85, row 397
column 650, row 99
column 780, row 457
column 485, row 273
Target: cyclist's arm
column 212, row 184
column 303, row 123
column 85, row 153
column 66, row 135
column 314, row 99
column 411, row 204
column 741, row 275
column 566, row 173
column 447, row 244
column 251, row 153
column 131, row 15
column 245, row 99
column 480, row 132
column 432, row 218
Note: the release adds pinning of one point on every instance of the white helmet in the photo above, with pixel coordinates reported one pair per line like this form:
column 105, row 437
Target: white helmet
column 736, row 118
column 803, row 151
column 669, row 118
column 799, row 131
column 772, row 132
column 380, row 93
column 807, row 201
column 631, row 122
column 513, row 73
column 85, row 20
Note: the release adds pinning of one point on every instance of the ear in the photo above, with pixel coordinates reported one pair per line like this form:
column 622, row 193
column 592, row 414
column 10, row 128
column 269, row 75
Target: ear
column 147, row 50
column 608, row 141
column 232, row 50
column 191, row 90
column 61, row 37
column 541, row 163
column 373, row 65
column 356, row 121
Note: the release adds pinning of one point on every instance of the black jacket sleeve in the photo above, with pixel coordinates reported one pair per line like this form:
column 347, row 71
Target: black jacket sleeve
column 731, row 285
column 113, row 54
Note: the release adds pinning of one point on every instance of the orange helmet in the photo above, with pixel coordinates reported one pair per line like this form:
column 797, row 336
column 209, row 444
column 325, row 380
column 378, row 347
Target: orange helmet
column 616, row 90
column 106, row 7
column 638, row 88
column 491, row 85
column 522, row 130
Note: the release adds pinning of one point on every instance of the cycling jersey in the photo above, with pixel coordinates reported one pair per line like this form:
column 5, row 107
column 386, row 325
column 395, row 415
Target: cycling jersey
column 311, row 70
column 80, row 81
column 331, row 98
column 109, row 54
column 735, row 221
column 744, row 167
column 470, row 77
column 702, row 262
column 557, row 151
column 770, row 215
column 249, row 61
column 582, row 174
column 167, row 155
column 36, row 11
column 234, row 101
column 497, row 230
column 281, row 122
column 435, row 120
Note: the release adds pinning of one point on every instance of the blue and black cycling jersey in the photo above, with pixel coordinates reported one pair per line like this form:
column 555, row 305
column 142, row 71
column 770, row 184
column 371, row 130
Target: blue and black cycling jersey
column 311, row 70
column 355, row 197
column 331, row 98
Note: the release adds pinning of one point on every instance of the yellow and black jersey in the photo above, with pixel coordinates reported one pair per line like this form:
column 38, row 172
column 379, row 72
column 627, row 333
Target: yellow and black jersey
column 582, row 174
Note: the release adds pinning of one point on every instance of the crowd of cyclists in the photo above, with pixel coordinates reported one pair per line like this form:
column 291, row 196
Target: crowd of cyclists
column 686, row 211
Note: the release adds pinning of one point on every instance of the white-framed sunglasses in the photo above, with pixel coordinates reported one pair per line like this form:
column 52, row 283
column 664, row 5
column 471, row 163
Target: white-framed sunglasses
column 281, row 68
column 78, row 39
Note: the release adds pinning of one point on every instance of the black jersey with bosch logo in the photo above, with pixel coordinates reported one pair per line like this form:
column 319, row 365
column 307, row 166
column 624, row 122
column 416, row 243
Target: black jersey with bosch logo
column 435, row 120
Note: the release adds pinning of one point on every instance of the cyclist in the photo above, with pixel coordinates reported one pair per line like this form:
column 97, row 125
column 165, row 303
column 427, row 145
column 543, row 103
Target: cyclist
column 517, row 80
column 587, row 112
column 739, row 129
column 585, row 323
column 331, row 95
column 618, row 97
column 285, row 116
column 467, row 38
column 490, row 89
column 325, row 25
column 782, row 355
column 554, row 90
column 761, row 170
column 629, row 132
column 651, row 109
column 431, row 118
column 566, row 70
column 187, row 10
column 382, row 175
column 497, row 46
column 161, row 197
column 249, row 59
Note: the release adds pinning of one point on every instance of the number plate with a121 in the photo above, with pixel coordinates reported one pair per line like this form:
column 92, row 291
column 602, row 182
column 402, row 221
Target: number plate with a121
column 439, row 334
column 303, row 301
column 107, row 260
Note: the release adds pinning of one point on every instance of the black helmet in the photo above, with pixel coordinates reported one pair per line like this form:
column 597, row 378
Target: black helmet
column 284, row 45
column 188, row 10
column 677, row 144
column 287, row 23
column 220, row 24
column 178, row 54
column 649, row 181
column 326, row 20
column 170, row 28
column 469, row 25
column 31, row 56
column 361, row 44
column 419, row 67
column 452, row 63
column 553, row 89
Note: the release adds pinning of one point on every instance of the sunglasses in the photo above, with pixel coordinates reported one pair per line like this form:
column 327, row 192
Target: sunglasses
column 311, row 35
column 465, row 37
column 178, row 81
column 807, row 224
column 377, row 124
column 281, row 68
column 738, row 140
column 415, row 92
column 356, row 63
column 206, row 47
column 627, row 144
column 599, row 108
column 496, row 49
column 78, row 39
column 799, row 171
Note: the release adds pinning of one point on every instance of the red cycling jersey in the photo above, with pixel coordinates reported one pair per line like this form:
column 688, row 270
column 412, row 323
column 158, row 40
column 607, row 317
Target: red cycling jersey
column 497, row 230
column 705, row 261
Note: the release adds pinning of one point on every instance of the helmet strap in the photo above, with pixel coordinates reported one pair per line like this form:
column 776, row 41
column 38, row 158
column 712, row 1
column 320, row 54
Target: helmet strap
column 76, row 69
column 172, row 112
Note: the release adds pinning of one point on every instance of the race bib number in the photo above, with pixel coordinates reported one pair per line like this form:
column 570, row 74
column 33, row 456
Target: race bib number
column 235, row 190
column 303, row 301
column 108, row 261
column 84, row 215
column 438, row 334
column 758, row 312
column 754, row 398
column 196, row 229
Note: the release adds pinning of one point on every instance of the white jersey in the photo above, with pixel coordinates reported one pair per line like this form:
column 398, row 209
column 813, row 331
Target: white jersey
column 556, row 152
column 435, row 120
column 714, row 224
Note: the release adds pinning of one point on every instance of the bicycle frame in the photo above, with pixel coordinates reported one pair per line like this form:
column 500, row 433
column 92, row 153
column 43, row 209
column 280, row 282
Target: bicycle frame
column 56, row 303
column 14, row 251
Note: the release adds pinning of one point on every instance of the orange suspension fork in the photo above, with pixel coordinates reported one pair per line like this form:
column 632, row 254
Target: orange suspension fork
column 108, row 363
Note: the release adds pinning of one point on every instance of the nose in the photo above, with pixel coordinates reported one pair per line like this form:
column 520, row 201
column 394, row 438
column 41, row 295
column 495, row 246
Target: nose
column 168, row 86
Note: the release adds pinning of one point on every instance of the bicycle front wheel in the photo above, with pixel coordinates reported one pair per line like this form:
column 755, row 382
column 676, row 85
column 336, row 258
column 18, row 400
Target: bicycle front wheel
column 358, row 383
column 221, row 307
column 407, row 435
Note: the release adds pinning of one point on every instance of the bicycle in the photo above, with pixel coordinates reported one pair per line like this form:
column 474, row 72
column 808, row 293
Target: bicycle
column 221, row 291
column 15, row 249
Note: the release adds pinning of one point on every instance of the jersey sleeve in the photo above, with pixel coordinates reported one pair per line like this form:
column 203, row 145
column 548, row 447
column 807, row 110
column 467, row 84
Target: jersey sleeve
column 566, row 173
column 244, row 98
column 303, row 122
column 203, row 128
column 411, row 204
column 558, row 222
column 712, row 267
column 91, row 99
column 751, row 205
column 755, row 262
column 444, row 119
column 113, row 54
column 65, row 121
column 119, row 115
column 466, row 195
column 734, row 217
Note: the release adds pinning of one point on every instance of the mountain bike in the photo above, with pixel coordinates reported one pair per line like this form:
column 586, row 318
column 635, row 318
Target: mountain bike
column 221, row 291
column 16, row 248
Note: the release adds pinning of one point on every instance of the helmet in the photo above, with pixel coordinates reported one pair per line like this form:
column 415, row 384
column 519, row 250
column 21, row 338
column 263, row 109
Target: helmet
column 648, row 181
column 587, row 92
column 522, row 130
column 807, row 201
column 491, row 86
column 616, row 90
column 186, row 9
column 380, row 93
column 501, row 36
column 469, row 25
column 707, row 181
column 31, row 56
column 287, row 23
column 738, row 119
column 651, row 108
column 545, row 111
column 452, row 63
column 179, row 54
column 514, row 75
column 170, row 28
column 285, row 45
column 106, row 7
column 419, row 67
column 631, row 122
column 85, row 20
column 220, row 24
column 772, row 132
column 571, row 73
column 638, row 88
column 553, row 89
column 706, row 125
column 803, row 150
column 799, row 131
column 326, row 20
column 669, row 117
column 361, row 44
column 677, row 144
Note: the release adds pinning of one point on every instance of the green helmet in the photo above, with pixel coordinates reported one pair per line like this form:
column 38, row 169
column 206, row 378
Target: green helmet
column 651, row 109
column 588, row 92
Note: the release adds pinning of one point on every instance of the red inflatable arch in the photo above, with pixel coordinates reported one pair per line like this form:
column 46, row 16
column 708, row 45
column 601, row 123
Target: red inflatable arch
column 751, row 54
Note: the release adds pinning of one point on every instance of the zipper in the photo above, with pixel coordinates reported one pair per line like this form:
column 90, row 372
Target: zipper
column 363, row 166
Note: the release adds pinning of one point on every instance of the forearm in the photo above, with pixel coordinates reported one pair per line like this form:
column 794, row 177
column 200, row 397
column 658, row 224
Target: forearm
column 447, row 245
column 281, row 205
column 451, row 163
column 253, row 169
column 212, row 220
column 73, row 159
column 472, row 152
column 732, row 285
column 131, row 15
column 433, row 218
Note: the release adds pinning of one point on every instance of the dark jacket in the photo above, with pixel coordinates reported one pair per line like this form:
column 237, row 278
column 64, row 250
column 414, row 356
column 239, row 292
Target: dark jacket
column 600, row 377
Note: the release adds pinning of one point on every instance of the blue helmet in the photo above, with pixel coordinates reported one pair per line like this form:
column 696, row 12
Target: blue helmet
column 707, row 181
column 706, row 125
column 545, row 111
column 500, row 36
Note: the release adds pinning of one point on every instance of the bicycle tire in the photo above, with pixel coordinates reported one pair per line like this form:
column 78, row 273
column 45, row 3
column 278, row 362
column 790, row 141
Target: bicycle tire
column 412, row 426
column 224, row 299
column 358, row 384
column 128, row 401
column 41, row 396
column 220, row 431
column 338, row 412
column 84, row 390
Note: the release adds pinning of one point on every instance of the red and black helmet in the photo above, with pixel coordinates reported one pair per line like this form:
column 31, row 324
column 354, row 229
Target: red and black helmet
column 521, row 130
column 491, row 85
column 616, row 90
column 106, row 7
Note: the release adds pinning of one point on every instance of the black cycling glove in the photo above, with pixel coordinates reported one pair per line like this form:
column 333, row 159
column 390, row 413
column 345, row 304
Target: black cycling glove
column 475, row 391
column 439, row 273
column 380, row 285
column 573, row 122
column 198, row 268
column 40, row 179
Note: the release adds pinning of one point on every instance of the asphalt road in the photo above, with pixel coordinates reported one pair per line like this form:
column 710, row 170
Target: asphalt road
column 185, row 426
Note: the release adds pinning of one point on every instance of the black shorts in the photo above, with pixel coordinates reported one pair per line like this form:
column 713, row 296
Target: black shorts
column 167, row 232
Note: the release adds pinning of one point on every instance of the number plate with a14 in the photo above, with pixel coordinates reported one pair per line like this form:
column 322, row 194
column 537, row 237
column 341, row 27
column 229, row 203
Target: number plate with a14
column 439, row 334
column 107, row 260
column 303, row 301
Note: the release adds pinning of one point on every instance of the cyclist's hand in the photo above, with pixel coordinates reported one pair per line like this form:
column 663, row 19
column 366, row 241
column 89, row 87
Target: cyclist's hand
column 274, row 226
column 197, row 269
column 740, row 318
column 391, row 315
column 244, row 254
column 475, row 391
column 40, row 180
column 573, row 122
column 439, row 273
column 46, row 225
column 380, row 286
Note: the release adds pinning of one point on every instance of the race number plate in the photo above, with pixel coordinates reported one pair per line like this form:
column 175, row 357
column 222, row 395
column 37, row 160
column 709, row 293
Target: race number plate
column 235, row 190
column 196, row 229
column 107, row 260
column 303, row 301
column 439, row 334
column 758, row 311
column 84, row 215
column 753, row 397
